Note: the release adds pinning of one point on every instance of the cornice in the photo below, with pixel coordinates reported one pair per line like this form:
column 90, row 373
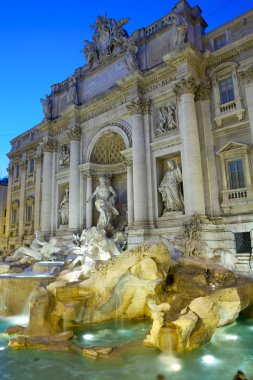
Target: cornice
column 230, row 51
column 166, row 143
column 231, row 129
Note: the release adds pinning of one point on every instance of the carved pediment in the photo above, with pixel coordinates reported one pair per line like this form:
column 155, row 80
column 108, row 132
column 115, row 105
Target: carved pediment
column 231, row 146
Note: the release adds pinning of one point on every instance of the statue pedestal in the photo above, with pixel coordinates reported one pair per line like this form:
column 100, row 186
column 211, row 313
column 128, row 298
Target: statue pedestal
column 63, row 227
column 172, row 218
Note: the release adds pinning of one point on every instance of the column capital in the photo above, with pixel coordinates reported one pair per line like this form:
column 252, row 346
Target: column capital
column 247, row 75
column 187, row 85
column 138, row 106
column 203, row 92
column 49, row 146
column 74, row 133
column 128, row 162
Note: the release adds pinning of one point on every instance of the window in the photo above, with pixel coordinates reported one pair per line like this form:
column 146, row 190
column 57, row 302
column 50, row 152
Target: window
column 17, row 171
column 220, row 41
column 236, row 174
column 28, row 213
column 226, row 90
column 31, row 165
column 243, row 242
column 14, row 215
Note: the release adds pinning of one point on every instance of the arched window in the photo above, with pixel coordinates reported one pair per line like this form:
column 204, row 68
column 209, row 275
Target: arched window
column 107, row 149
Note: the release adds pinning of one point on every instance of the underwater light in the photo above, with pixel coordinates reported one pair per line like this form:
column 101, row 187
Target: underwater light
column 20, row 319
column 208, row 359
column 176, row 367
column 231, row 337
column 88, row 336
column 2, row 348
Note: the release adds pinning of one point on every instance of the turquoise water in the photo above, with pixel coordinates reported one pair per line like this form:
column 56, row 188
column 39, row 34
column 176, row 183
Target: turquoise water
column 230, row 349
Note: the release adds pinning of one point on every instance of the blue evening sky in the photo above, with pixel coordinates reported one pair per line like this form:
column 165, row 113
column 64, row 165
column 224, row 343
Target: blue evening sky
column 40, row 44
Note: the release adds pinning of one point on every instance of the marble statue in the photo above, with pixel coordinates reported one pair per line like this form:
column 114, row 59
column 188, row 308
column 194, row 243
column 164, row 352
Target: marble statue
column 73, row 94
column 130, row 57
column 105, row 202
column 167, row 120
column 39, row 250
column 47, row 107
column 64, row 208
column 64, row 157
column 170, row 188
column 108, row 35
column 181, row 30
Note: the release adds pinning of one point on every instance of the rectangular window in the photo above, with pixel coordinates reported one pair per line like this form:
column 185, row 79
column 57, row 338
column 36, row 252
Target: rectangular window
column 31, row 165
column 14, row 213
column 17, row 171
column 28, row 213
column 220, row 41
column 226, row 90
column 243, row 242
column 236, row 174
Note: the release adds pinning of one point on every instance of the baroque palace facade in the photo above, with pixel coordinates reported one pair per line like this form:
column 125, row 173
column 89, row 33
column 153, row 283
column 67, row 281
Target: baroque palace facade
column 166, row 114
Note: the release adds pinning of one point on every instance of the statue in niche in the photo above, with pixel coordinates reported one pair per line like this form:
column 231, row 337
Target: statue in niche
column 167, row 119
column 130, row 57
column 73, row 94
column 64, row 157
column 47, row 107
column 108, row 35
column 170, row 189
column 105, row 202
column 64, row 208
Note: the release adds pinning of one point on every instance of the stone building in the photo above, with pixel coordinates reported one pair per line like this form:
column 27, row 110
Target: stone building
column 3, row 209
column 166, row 114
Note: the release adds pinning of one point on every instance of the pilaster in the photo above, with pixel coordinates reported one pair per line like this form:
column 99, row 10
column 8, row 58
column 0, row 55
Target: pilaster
column 247, row 78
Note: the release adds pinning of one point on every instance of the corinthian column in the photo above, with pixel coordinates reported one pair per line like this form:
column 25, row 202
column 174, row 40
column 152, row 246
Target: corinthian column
column 247, row 77
column 74, row 135
column 49, row 147
column 191, row 158
column 137, row 108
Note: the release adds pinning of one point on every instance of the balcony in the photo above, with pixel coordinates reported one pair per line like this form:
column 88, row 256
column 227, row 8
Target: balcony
column 228, row 110
column 237, row 201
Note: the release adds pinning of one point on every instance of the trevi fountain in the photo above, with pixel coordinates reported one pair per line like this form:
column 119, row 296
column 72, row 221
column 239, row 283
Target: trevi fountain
column 90, row 308
column 137, row 181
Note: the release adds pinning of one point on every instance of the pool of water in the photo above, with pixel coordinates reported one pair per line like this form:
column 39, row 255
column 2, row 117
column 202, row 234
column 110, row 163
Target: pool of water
column 230, row 349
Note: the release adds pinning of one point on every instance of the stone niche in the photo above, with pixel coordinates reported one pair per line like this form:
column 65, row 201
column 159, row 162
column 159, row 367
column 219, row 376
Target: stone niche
column 161, row 171
column 61, row 195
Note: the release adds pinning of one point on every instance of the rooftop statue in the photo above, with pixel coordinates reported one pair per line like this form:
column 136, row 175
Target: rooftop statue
column 47, row 107
column 108, row 36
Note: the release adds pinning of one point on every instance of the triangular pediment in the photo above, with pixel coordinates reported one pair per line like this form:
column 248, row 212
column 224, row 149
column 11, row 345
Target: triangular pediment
column 231, row 146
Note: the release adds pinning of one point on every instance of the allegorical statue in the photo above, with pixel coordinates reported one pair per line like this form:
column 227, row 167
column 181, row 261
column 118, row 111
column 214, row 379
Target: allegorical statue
column 105, row 202
column 171, row 190
column 73, row 94
column 47, row 107
column 130, row 57
column 64, row 208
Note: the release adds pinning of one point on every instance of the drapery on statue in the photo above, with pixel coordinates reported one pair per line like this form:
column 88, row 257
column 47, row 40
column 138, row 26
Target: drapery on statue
column 170, row 188
column 105, row 202
column 64, row 208
column 73, row 94
column 47, row 107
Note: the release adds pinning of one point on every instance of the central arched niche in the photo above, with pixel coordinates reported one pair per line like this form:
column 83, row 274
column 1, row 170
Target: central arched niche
column 107, row 151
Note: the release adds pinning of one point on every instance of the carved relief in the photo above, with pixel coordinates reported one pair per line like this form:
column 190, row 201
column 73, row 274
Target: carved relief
column 139, row 106
column 74, row 133
column 166, row 119
column 29, row 201
column 64, row 156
